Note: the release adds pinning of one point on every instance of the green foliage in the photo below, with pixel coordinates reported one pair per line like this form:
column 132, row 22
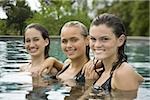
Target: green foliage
column 55, row 13
column 2, row 27
column 140, row 21
column 135, row 15
column 17, row 14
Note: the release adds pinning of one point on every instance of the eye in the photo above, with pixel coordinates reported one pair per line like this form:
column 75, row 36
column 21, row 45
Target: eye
column 36, row 39
column 92, row 39
column 27, row 40
column 64, row 41
column 74, row 40
column 105, row 39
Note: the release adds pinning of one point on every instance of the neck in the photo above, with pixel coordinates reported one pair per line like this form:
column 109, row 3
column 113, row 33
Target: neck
column 79, row 62
column 35, row 61
column 108, row 63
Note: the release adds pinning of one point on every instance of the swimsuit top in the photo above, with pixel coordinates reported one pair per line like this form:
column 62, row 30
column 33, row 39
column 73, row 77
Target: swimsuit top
column 79, row 77
column 106, row 86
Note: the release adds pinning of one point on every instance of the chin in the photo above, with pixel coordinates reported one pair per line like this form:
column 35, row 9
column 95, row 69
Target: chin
column 71, row 57
column 99, row 57
column 33, row 54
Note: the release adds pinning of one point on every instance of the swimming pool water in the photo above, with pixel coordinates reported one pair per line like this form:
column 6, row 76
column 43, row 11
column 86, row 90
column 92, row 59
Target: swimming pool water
column 18, row 86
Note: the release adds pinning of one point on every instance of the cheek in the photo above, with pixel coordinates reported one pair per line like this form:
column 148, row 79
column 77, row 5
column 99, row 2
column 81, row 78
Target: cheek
column 110, row 45
column 111, row 48
column 42, row 43
column 81, row 49
column 62, row 47
column 91, row 45
column 25, row 46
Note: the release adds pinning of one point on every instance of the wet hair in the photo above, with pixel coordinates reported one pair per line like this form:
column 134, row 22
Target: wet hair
column 118, row 27
column 44, row 33
column 84, row 32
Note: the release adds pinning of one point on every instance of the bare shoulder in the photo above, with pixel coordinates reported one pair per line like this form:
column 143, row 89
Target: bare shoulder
column 126, row 70
column 67, row 61
column 50, row 59
column 24, row 67
column 126, row 74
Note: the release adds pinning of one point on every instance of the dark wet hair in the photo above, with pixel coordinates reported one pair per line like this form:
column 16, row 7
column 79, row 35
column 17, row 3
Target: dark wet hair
column 84, row 32
column 118, row 27
column 44, row 33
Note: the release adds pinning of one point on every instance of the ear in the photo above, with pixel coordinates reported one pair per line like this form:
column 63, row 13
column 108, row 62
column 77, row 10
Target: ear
column 121, row 40
column 46, row 42
column 87, row 41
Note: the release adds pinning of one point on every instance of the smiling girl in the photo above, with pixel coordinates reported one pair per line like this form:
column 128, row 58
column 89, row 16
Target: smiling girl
column 107, row 41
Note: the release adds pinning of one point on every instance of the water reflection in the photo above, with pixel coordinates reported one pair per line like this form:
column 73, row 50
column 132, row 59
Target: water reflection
column 21, row 86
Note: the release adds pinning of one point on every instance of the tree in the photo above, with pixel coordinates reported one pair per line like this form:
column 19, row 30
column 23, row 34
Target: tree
column 17, row 13
column 54, row 13
column 140, row 21
column 135, row 15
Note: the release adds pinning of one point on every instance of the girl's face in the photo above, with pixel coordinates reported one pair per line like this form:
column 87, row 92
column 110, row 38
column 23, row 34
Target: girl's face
column 103, row 42
column 34, row 42
column 73, row 43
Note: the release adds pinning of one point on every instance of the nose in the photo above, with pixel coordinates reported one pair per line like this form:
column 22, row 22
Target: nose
column 97, row 43
column 69, row 44
column 32, row 44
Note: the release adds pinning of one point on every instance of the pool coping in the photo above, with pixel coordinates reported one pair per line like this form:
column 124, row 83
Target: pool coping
column 5, row 37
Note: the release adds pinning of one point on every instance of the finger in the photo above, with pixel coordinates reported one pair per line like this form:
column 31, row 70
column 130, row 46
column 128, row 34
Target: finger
column 41, row 71
column 83, row 70
column 85, row 67
column 89, row 69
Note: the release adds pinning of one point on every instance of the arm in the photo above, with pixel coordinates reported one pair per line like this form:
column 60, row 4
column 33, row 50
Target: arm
column 49, row 64
column 57, row 64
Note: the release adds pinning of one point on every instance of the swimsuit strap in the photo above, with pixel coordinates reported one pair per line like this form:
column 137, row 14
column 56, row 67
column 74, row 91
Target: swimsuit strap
column 107, row 84
column 117, row 65
column 63, row 69
column 80, row 77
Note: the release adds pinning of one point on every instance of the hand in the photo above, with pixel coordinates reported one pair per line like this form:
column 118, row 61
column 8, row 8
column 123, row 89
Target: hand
column 47, row 66
column 91, row 68
column 87, row 69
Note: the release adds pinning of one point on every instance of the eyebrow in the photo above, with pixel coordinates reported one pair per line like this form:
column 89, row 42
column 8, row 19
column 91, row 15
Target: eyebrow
column 70, row 38
column 98, row 37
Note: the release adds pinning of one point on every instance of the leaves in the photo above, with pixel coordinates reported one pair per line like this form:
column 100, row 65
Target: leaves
column 54, row 13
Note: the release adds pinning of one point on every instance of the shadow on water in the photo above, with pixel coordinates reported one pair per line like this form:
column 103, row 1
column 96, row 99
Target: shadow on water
column 15, row 85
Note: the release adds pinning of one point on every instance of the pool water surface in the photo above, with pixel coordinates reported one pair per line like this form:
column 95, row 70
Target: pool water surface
column 16, row 85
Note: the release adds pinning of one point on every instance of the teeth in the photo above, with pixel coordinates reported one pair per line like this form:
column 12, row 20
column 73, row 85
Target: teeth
column 33, row 50
column 99, row 51
column 70, row 51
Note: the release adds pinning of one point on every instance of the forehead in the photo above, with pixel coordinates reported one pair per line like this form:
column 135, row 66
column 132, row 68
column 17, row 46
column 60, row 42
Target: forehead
column 71, row 31
column 32, row 32
column 101, row 30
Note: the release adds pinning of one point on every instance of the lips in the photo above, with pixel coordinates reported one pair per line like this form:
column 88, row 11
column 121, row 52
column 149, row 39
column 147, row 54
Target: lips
column 70, row 51
column 98, row 51
column 33, row 50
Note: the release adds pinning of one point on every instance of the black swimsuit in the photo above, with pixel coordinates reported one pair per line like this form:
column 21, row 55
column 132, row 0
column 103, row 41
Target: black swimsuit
column 106, row 86
column 79, row 77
